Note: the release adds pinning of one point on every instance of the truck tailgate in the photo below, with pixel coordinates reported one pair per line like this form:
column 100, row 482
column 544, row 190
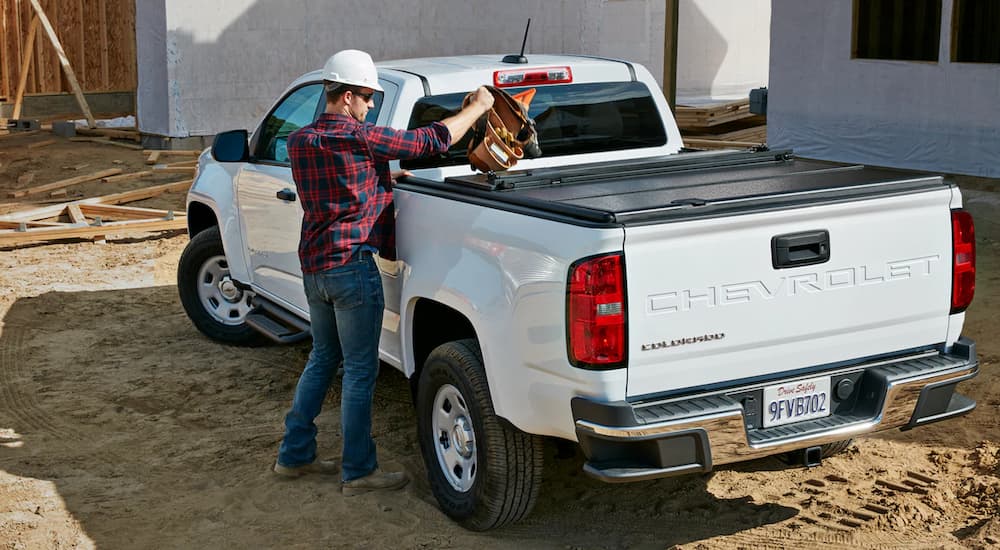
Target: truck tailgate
column 708, row 306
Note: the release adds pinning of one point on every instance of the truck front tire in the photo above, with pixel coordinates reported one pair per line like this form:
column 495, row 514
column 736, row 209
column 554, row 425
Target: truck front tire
column 212, row 300
column 484, row 472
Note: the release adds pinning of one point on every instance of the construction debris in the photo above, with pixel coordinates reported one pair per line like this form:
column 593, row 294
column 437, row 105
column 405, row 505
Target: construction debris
column 721, row 125
column 92, row 218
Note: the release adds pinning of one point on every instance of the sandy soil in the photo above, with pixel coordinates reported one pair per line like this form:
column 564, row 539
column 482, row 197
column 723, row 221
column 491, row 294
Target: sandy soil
column 122, row 427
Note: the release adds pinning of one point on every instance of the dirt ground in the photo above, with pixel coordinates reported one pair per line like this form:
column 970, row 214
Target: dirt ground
column 121, row 426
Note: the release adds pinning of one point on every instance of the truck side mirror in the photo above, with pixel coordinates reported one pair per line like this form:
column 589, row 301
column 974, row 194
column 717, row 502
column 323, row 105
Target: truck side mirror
column 231, row 146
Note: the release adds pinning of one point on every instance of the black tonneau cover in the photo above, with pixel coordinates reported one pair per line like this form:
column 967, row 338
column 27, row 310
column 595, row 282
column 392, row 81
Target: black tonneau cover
column 685, row 185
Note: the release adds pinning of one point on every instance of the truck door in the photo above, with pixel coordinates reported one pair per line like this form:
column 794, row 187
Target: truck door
column 270, row 212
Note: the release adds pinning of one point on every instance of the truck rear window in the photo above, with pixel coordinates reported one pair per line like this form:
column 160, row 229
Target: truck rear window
column 571, row 119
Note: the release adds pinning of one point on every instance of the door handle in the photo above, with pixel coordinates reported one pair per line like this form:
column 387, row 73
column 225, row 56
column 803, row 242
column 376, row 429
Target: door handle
column 798, row 249
column 286, row 195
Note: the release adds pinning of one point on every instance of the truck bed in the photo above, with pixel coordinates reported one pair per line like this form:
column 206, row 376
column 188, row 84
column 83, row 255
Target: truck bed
column 683, row 186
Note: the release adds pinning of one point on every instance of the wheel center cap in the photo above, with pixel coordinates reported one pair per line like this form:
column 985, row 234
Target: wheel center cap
column 461, row 435
column 229, row 290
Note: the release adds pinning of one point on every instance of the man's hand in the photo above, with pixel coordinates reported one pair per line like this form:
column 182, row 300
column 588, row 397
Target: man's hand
column 475, row 105
column 399, row 174
column 482, row 99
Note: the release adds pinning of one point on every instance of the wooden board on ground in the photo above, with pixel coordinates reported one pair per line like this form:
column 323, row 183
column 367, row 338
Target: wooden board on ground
column 127, row 177
column 64, row 183
column 117, row 133
column 42, row 143
column 13, row 237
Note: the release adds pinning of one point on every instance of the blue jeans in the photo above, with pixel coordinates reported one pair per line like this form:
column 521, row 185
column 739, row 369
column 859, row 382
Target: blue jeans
column 345, row 308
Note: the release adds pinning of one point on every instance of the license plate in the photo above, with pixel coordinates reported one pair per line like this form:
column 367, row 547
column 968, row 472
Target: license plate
column 796, row 401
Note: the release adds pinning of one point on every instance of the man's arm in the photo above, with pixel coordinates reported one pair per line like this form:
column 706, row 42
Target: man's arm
column 389, row 144
column 458, row 125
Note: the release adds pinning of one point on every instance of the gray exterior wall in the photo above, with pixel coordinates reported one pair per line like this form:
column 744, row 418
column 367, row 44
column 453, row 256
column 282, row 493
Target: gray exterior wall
column 722, row 48
column 209, row 66
column 943, row 116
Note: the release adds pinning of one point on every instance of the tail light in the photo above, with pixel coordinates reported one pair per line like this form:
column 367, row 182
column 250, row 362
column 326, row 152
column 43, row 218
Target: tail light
column 595, row 312
column 963, row 263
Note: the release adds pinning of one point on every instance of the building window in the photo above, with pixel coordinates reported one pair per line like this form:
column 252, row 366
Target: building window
column 907, row 30
column 974, row 36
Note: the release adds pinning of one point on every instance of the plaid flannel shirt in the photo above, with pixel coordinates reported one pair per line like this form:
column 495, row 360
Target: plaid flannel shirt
column 341, row 170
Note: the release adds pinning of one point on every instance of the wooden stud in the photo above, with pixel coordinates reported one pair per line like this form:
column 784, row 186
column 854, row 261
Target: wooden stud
column 103, row 32
column 115, row 198
column 145, row 193
column 13, row 238
column 25, row 64
column 67, row 69
column 42, row 143
column 110, row 133
column 112, row 212
column 16, row 225
column 75, row 214
column 153, row 158
column 127, row 177
column 65, row 183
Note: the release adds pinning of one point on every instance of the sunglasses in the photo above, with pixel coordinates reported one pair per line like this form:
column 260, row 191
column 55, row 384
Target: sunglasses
column 367, row 97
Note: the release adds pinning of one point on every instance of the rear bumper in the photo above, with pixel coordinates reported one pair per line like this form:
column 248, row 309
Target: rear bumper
column 630, row 442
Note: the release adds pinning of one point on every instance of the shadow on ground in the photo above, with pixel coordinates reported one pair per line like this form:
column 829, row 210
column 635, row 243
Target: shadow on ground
column 154, row 436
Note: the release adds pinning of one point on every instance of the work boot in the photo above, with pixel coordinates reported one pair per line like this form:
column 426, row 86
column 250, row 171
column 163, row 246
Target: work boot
column 375, row 481
column 320, row 467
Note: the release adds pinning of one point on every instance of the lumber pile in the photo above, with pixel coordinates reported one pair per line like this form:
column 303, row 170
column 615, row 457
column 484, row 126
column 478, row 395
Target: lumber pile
column 93, row 218
column 721, row 125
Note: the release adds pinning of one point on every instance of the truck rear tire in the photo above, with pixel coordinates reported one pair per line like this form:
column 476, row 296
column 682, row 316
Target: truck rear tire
column 213, row 302
column 484, row 472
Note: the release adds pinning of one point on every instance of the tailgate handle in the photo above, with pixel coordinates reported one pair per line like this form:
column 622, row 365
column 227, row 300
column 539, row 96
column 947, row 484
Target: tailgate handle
column 798, row 249
column 286, row 195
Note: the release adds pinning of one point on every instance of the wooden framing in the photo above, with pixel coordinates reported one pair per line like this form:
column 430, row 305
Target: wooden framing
column 98, row 37
column 92, row 218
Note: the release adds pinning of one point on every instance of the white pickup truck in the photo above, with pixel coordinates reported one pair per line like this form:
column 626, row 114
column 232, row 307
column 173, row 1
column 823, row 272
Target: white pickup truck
column 667, row 310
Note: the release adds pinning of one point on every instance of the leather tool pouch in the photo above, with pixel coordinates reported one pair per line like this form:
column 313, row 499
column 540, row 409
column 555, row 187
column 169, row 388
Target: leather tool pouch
column 503, row 135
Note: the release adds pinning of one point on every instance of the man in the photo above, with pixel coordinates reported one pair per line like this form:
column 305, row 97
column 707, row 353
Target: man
column 341, row 169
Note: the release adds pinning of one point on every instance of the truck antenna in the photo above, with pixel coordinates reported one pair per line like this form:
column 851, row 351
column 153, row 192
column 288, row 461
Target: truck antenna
column 519, row 58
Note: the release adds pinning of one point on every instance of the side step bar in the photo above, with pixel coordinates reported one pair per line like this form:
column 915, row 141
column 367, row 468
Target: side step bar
column 276, row 323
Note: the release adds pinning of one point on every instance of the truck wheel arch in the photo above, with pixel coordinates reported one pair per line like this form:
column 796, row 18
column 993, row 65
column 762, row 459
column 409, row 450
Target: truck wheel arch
column 199, row 218
column 432, row 324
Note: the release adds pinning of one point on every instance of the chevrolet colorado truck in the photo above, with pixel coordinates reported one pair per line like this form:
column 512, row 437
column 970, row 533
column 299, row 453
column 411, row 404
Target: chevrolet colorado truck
column 667, row 310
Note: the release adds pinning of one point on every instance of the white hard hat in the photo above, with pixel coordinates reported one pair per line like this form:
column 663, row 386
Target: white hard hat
column 352, row 67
